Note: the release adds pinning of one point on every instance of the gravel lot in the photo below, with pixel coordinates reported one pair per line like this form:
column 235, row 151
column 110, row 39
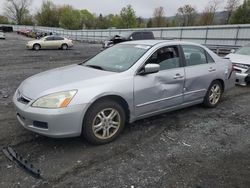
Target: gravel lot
column 193, row 147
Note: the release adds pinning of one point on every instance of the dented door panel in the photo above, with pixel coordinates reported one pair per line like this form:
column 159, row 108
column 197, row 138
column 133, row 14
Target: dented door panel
column 198, row 79
column 158, row 91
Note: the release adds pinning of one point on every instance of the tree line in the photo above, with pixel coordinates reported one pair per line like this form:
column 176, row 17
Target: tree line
column 65, row 16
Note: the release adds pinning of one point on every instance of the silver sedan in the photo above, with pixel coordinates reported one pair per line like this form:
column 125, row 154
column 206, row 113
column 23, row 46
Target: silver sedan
column 125, row 83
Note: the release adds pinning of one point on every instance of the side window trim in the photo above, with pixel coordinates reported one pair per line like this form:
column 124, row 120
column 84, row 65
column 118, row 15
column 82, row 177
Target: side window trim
column 208, row 55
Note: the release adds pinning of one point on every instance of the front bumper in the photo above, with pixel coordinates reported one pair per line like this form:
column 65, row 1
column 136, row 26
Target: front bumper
column 28, row 46
column 62, row 122
column 242, row 75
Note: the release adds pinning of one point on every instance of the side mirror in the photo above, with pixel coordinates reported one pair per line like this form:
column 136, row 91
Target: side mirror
column 233, row 51
column 150, row 68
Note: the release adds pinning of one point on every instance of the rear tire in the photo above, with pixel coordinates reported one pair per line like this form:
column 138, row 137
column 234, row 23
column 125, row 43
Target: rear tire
column 36, row 47
column 64, row 47
column 103, row 122
column 213, row 95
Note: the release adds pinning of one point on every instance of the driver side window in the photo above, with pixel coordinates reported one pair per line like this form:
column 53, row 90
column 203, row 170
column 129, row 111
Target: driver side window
column 167, row 57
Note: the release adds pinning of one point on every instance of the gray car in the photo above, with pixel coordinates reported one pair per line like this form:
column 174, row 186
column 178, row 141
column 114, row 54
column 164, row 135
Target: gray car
column 125, row 83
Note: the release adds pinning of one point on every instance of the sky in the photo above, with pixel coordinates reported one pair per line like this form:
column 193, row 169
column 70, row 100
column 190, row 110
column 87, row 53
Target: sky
column 143, row 8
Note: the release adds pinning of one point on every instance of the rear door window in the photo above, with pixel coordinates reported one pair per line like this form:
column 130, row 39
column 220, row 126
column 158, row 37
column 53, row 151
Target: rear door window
column 194, row 55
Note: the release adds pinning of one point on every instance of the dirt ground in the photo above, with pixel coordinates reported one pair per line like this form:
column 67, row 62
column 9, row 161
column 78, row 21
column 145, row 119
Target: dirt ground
column 193, row 147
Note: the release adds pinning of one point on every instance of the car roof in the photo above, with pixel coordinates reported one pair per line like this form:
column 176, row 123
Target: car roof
column 155, row 42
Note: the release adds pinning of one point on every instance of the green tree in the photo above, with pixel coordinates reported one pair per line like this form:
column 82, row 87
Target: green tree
column 242, row 14
column 103, row 22
column 150, row 23
column 48, row 15
column 174, row 22
column 116, row 21
column 128, row 17
column 87, row 19
column 69, row 18
column 140, row 22
column 3, row 20
column 28, row 20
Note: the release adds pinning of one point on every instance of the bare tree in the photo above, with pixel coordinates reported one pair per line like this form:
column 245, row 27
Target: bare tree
column 17, row 10
column 159, row 19
column 187, row 13
column 207, row 17
column 231, row 6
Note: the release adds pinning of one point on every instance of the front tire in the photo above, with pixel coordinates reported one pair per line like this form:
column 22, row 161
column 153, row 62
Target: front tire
column 36, row 47
column 64, row 47
column 213, row 95
column 104, row 122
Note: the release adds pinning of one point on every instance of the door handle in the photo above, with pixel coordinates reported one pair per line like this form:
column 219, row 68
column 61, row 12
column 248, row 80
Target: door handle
column 178, row 76
column 211, row 69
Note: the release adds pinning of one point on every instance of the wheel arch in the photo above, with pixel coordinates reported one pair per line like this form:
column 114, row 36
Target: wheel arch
column 36, row 44
column 120, row 100
column 64, row 44
column 221, row 82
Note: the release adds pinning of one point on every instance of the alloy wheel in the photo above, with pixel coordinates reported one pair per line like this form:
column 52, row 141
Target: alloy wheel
column 106, row 123
column 214, row 94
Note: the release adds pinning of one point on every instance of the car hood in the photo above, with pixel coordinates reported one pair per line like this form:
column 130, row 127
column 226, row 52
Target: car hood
column 238, row 58
column 61, row 79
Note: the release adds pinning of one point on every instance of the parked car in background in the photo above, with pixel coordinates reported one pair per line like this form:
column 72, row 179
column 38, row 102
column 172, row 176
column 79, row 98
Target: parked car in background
column 6, row 28
column 241, row 60
column 136, row 35
column 127, row 82
column 50, row 42
column 2, row 35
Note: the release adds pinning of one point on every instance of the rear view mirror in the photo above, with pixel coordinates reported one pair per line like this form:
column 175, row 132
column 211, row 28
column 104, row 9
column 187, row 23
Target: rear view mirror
column 150, row 68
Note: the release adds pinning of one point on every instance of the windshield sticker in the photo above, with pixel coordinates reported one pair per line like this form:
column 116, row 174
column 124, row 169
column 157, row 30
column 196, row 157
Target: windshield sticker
column 142, row 47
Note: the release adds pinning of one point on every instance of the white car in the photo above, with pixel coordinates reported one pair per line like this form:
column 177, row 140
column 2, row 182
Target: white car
column 50, row 42
column 2, row 36
column 241, row 61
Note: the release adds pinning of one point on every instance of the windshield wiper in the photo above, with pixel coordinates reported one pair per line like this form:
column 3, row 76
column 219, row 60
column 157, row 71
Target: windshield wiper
column 95, row 67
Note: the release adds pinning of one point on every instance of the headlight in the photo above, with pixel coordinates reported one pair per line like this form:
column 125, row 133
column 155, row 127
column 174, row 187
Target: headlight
column 241, row 66
column 55, row 100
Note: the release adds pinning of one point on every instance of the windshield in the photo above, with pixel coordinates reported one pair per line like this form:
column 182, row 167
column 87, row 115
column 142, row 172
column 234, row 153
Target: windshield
column 118, row 58
column 244, row 50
